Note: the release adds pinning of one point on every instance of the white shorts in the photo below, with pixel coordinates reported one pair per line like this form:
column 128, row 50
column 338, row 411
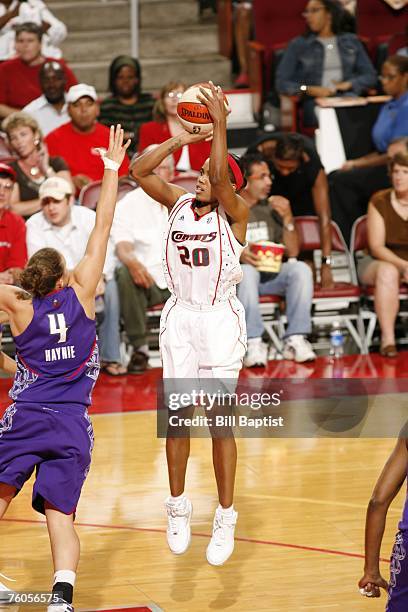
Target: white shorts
column 202, row 343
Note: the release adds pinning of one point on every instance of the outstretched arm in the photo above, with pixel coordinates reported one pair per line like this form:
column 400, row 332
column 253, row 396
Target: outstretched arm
column 87, row 273
column 387, row 487
column 221, row 186
column 143, row 169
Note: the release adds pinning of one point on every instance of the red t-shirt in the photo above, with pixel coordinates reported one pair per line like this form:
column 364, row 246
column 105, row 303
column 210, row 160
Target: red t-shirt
column 154, row 132
column 79, row 149
column 20, row 83
column 13, row 249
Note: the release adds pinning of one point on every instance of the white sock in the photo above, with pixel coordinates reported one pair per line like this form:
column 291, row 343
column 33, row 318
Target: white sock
column 178, row 499
column 227, row 511
column 65, row 576
column 143, row 349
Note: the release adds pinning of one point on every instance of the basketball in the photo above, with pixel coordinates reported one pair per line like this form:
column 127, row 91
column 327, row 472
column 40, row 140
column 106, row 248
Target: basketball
column 193, row 114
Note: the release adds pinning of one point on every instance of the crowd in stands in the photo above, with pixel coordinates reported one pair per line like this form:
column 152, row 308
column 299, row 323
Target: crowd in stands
column 55, row 130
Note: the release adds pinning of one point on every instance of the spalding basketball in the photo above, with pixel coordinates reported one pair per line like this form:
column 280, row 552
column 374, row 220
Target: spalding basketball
column 193, row 114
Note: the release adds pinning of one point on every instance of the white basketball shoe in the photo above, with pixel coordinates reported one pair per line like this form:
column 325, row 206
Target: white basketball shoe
column 298, row 348
column 221, row 544
column 178, row 524
column 60, row 606
column 257, row 354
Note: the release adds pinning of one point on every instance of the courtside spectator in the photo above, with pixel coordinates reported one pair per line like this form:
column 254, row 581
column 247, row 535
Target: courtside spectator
column 63, row 226
column 50, row 109
column 387, row 265
column 351, row 191
column 128, row 104
column 33, row 165
column 137, row 232
column 19, row 77
column 271, row 218
column 326, row 60
column 299, row 176
column 352, row 186
column 166, row 124
column 16, row 12
column 81, row 141
column 13, row 250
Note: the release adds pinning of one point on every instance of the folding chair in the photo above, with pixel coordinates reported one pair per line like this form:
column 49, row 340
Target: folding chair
column 89, row 194
column 342, row 303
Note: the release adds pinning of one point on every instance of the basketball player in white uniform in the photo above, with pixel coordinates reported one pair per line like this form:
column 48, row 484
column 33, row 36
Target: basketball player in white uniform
column 203, row 325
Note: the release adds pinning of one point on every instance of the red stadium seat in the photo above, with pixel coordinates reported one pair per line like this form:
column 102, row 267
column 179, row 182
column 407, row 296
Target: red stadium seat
column 343, row 301
column 377, row 22
column 275, row 24
column 89, row 194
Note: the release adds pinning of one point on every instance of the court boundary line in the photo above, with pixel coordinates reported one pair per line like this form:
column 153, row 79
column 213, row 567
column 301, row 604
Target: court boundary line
column 327, row 551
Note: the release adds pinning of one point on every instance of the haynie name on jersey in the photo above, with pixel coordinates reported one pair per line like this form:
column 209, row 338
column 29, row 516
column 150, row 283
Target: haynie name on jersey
column 60, row 352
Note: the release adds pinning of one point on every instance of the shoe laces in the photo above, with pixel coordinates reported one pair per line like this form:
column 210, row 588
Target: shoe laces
column 220, row 529
column 175, row 512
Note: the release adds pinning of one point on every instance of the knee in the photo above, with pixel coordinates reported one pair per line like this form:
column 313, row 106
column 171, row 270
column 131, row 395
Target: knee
column 301, row 273
column 387, row 274
column 249, row 284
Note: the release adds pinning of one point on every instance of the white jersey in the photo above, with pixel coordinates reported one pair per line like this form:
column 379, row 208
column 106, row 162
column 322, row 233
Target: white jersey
column 201, row 255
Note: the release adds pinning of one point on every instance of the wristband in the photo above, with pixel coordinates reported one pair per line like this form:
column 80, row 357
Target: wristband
column 110, row 164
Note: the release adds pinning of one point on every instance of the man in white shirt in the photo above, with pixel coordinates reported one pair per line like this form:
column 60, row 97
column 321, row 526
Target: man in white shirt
column 137, row 231
column 50, row 110
column 63, row 226
column 16, row 12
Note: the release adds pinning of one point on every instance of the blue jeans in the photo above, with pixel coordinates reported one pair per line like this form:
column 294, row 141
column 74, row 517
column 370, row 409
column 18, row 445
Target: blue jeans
column 109, row 337
column 294, row 282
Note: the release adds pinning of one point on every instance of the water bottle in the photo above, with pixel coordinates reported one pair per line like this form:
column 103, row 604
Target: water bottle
column 336, row 340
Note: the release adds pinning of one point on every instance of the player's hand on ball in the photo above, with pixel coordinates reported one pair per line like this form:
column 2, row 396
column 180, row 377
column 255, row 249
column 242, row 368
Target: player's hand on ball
column 117, row 150
column 214, row 99
column 370, row 585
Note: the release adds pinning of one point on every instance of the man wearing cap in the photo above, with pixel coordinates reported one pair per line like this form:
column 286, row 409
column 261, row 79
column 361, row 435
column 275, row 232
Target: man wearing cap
column 50, row 109
column 13, row 250
column 19, row 77
column 63, row 226
column 80, row 141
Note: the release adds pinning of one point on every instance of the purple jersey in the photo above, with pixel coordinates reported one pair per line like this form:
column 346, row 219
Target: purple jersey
column 57, row 354
column 404, row 521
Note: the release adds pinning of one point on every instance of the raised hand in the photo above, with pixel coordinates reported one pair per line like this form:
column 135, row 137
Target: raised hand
column 213, row 97
column 117, row 150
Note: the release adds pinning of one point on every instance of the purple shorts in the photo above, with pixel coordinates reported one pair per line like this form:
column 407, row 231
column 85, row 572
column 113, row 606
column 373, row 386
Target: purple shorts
column 57, row 440
column 398, row 590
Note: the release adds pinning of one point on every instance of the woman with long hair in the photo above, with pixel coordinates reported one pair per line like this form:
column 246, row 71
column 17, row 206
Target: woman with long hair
column 47, row 428
column 327, row 60
column 165, row 124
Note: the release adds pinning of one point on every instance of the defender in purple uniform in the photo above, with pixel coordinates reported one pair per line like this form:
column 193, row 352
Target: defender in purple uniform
column 391, row 480
column 47, row 428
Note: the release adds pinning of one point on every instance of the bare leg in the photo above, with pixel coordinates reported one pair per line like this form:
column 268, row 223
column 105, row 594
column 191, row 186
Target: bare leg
column 242, row 33
column 225, row 464
column 177, row 452
column 65, row 545
column 7, row 493
column 386, row 278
